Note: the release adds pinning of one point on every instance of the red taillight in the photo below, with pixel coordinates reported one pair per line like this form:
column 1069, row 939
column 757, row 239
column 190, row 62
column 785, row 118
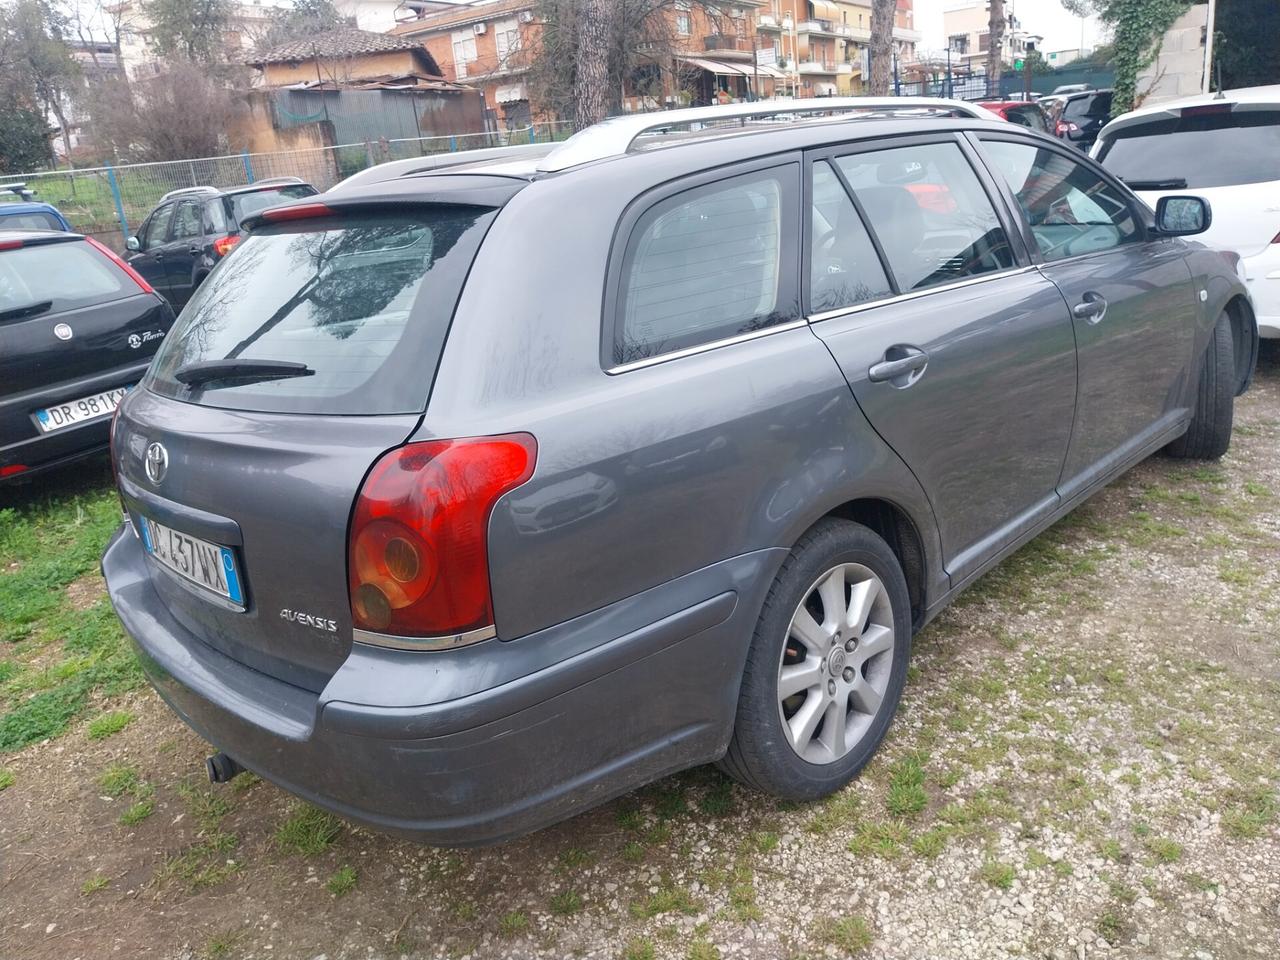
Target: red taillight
column 13, row 470
column 1066, row 126
column 1207, row 110
column 418, row 560
column 222, row 246
column 134, row 275
column 303, row 211
column 10, row 244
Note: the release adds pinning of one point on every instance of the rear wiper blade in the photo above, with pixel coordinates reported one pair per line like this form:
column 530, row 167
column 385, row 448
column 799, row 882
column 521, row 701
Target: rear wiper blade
column 30, row 310
column 203, row 372
column 1173, row 183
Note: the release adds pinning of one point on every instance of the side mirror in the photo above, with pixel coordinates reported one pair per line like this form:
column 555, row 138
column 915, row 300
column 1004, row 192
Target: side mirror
column 134, row 244
column 1183, row 216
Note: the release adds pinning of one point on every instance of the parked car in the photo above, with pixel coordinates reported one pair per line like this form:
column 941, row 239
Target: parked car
column 1025, row 113
column 19, row 210
column 77, row 329
column 1223, row 147
column 1078, row 118
column 466, row 497
column 183, row 238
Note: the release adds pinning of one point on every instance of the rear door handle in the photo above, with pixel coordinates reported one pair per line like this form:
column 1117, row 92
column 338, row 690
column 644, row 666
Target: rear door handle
column 902, row 366
column 1092, row 307
column 194, row 250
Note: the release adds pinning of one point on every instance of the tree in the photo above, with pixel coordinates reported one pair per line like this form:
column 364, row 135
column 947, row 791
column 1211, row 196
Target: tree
column 1245, row 52
column 305, row 18
column 995, row 46
column 881, row 46
column 38, row 61
column 23, row 140
column 591, row 73
column 193, row 30
column 1137, row 29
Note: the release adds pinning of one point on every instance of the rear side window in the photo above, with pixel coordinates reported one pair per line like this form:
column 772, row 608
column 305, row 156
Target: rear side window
column 1203, row 149
column 33, row 220
column 364, row 301
column 844, row 268
column 246, row 204
column 927, row 207
column 186, row 221
column 1027, row 116
column 64, row 275
column 707, row 264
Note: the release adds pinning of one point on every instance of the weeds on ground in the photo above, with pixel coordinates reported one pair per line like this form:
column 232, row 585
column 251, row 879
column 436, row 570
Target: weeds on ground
column 343, row 881
column 309, row 831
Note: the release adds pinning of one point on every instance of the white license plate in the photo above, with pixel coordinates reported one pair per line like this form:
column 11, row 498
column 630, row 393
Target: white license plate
column 78, row 411
column 206, row 564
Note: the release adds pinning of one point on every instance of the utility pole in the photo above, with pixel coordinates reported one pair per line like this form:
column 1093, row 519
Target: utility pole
column 1207, row 80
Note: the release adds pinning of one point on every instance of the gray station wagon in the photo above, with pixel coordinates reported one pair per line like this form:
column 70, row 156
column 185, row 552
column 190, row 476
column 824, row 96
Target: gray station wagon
column 484, row 488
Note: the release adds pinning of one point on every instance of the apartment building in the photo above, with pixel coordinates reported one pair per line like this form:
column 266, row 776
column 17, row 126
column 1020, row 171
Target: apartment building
column 967, row 24
column 704, row 55
column 823, row 44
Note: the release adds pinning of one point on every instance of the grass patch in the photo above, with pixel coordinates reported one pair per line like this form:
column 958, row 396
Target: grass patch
column 566, row 903
column 668, row 899
column 343, row 881
column 109, row 723
column 998, row 875
column 512, row 924
column 1248, row 812
column 309, row 831
column 882, row 840
column 94, row 884
column 850, row 934
column 834, row 812
column 906, row 797
column 931, row 843
column 138, row 812
column 638, row 948
column 202, row 865
column 1164, row 850
column 703, row 950
column 7, row 779
column 119, row 779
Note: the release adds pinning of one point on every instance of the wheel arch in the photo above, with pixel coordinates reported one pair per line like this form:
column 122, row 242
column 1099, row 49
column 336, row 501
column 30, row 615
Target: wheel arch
column 896, row 527
column 1244, row 334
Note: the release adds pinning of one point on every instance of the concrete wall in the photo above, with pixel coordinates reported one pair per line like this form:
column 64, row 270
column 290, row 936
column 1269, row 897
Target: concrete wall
column 1179, row 66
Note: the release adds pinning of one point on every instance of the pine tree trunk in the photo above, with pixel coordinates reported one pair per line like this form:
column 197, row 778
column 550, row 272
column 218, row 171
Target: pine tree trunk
column 995, row 47
column 591, row 93
column 881, row 51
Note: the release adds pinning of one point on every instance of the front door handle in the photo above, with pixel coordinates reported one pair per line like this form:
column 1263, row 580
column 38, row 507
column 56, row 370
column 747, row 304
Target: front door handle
column 1092, row 307
column 902, row 366
column 193, row 250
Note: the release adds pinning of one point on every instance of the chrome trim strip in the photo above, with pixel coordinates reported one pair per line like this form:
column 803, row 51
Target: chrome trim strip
column 704, row 347
column 450, row 642
column 917, row 294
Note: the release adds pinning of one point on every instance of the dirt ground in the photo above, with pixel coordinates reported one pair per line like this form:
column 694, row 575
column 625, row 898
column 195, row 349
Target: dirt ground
column 1087, row 763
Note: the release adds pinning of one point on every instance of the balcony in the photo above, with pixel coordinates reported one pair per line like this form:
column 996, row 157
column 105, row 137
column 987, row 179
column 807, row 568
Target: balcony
column 907, row 35
column 727, row 43
column 769, row 23
column 826, row 68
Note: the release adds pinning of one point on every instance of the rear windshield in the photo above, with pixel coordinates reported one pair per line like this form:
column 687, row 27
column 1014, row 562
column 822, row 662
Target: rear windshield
column 63, row 275
column 246, row 204
column 30, row 220
column 1205, row 150
column 1093, row 106
column 363, row 300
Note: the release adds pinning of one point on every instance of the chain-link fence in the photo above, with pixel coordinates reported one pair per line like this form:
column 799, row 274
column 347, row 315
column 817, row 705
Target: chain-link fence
column 110, row 202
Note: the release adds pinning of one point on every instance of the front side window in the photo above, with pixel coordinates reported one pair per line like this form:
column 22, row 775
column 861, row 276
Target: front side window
column 927, row 207
column 157, row 227
column 844, row 268
column 1072, row 210
column 707, row 264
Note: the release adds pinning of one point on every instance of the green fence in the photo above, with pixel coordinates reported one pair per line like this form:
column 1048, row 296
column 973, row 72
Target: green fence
column 110, row 202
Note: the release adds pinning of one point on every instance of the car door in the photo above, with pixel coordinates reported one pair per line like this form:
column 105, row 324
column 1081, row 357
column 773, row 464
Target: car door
column 958, row 351
column 1133, row 302
column 149, row 260
column 186, row 239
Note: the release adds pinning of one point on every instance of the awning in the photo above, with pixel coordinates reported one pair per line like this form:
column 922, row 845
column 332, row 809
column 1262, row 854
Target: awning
column 726, row 68
column 511, row 94
column 826, row 11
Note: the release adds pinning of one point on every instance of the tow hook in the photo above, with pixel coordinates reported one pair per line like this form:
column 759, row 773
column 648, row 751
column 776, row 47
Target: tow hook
column 221, row 768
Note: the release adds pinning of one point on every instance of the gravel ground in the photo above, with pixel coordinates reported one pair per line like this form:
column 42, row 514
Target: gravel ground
column 1086, row 764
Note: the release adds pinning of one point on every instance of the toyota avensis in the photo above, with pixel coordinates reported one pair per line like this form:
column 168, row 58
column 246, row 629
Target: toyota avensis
column 480, row 490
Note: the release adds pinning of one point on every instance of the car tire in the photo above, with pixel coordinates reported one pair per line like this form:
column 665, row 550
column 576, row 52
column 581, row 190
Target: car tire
column 769, row 749
column 1208, row 435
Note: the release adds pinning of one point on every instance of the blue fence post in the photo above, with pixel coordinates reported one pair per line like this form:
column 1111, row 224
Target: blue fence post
column 453, row 144
column 115, row 195
column 248, row 165
column 533, row 132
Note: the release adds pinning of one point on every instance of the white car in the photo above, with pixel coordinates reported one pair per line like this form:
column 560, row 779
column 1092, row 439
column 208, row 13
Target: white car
column 1223, row 147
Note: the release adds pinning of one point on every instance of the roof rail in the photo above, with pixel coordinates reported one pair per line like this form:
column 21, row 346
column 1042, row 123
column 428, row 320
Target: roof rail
column 617, row 135
column 185, row 190
column 20, row 188
column 274, row 181
column 394, row 169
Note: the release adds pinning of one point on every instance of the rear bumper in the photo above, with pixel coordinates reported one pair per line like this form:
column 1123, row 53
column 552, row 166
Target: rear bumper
column 21, row 442
column 449, row 756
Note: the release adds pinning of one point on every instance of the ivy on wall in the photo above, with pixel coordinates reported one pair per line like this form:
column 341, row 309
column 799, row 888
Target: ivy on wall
column 1137, row 28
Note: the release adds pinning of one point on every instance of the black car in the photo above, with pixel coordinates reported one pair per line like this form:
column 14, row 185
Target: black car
column 192, row 229
column 78, row 327
column 1079, row 117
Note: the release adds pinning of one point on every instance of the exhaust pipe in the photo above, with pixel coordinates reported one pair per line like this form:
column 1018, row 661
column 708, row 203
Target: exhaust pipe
column 221, row 767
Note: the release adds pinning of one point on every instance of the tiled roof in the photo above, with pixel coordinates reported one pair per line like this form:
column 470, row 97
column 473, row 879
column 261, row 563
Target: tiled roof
column 468, row 13
column 342, row 42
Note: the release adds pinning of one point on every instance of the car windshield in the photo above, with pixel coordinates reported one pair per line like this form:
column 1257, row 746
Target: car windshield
column 246, row 204
column 364, row 301
column 28, row 220
column 64, row 275
column 1218, row 149
column 1091, row 106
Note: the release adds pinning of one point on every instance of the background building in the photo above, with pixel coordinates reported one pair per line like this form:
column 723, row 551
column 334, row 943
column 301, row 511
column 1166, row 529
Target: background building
column 967, row 24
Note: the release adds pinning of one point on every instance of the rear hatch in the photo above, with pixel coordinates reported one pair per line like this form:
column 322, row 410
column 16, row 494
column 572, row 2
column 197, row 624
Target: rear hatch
column 263, row 464
column 1223, row 151
column 71, row 318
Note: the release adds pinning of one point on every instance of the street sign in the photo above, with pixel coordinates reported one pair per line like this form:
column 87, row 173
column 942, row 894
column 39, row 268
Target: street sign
column 1019, row 64
column 766, row 57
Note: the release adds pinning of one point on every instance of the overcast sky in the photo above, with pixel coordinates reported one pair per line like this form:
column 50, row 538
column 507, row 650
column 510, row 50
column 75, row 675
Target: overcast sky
column 1060, row 29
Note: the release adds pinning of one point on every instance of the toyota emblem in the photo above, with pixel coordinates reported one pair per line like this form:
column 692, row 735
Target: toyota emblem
column 157, row 462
